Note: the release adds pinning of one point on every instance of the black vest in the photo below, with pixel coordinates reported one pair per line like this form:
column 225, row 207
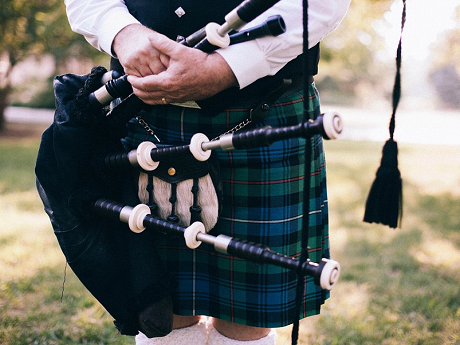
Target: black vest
column 160, row 16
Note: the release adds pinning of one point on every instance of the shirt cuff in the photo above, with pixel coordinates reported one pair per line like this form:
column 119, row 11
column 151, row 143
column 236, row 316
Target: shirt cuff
column 247, row 62
column 111, row 24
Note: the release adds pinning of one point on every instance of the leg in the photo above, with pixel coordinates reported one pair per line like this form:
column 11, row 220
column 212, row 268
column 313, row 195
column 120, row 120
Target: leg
column 239, row 332
column 155, row 321
column 187, row 330
column 180, row 321
column 227, row 333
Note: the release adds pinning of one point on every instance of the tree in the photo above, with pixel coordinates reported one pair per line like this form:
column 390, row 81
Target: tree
column 445, row 71
column 354, row 63
column 32, row 28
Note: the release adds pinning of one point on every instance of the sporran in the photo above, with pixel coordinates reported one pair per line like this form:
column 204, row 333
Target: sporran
column 183, row 190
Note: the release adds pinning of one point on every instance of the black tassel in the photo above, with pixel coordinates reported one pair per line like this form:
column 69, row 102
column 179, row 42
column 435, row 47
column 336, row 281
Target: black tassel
column 384, row 203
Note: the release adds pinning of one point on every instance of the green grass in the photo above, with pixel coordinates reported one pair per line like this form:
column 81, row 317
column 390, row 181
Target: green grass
column 17, row 162
column 32, row 265
column 397, row 286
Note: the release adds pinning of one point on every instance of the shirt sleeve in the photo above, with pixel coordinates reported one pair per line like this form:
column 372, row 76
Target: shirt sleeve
column 99, row 21
column 255, row 59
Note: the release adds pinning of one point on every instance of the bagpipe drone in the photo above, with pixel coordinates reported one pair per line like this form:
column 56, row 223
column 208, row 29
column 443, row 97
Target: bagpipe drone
column 84, row 142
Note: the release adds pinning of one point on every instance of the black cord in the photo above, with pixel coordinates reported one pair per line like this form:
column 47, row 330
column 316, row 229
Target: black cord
column 64, row 280
column 384, row 203
column 306, row 189
column 397, row 84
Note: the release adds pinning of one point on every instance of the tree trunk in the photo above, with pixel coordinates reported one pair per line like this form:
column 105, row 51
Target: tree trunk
column 4, row 93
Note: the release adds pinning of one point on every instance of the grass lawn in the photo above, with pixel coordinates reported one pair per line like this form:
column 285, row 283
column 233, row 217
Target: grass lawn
column 397, row 286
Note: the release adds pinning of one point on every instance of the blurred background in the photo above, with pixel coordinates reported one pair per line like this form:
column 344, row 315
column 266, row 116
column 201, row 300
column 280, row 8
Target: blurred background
column 357, row 64
column 397, row 287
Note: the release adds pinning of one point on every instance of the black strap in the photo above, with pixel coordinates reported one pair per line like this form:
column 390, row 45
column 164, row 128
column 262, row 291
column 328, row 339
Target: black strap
column 153, row 207
column 195, row 209
column 259, row 112
column 173, row 199
column 285, row 88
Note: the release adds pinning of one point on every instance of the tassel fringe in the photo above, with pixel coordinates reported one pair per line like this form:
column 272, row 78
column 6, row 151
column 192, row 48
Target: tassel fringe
column 384, row 203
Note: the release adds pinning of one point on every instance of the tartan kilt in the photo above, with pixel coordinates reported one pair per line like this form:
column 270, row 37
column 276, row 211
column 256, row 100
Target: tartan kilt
column 263, row 202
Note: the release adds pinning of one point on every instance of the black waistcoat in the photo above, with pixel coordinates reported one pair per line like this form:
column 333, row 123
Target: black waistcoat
column 160, row 16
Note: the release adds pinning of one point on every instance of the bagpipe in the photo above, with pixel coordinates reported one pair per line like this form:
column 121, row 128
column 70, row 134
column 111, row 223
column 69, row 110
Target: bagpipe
column 84, row 210
column 147, row 157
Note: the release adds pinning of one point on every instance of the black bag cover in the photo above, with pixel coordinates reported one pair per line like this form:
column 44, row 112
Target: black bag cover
column 120, row 268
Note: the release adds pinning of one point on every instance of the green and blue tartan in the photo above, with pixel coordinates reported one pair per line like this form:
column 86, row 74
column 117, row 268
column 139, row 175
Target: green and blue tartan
column 263, row 203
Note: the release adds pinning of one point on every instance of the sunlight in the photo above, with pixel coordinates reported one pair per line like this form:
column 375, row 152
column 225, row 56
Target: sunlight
column 23, row 237
column 437, row 252
column 350, row 300
column 426, row 21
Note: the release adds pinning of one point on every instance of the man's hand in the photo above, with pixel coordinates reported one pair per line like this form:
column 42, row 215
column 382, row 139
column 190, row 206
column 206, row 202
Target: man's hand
column 161, row 68
column 135, row 52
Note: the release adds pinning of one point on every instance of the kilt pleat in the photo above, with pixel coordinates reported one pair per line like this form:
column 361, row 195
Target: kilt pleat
column 263, row 202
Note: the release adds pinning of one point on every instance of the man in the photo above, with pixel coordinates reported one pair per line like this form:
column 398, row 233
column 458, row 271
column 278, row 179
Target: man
column 263, row 188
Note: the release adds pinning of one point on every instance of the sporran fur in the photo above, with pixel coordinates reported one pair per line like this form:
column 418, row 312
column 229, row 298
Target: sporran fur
column 183, row 190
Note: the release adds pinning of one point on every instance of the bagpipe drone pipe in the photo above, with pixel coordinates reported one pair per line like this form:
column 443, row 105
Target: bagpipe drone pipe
column 147, row 157
column 106, row 256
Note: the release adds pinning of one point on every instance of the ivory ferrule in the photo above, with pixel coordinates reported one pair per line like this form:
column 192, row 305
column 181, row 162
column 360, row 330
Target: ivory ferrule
column 132, row 157
column 226, row 142
column 221, row 243
column 125, row 213
column 232, row 22
column 103, row 96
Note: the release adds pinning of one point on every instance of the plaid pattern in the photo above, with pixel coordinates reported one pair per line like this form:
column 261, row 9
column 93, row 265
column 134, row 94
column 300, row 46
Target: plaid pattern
column 263, row 198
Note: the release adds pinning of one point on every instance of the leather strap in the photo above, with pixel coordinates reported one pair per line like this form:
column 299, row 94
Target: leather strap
column 285, row 88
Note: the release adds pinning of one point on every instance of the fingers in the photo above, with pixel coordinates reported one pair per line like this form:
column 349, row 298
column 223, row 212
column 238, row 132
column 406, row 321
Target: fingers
column 186, row 74
column 136, row 53
column 157, row 89
column 151, row 54
column 164, row 45
column 189, row 77
column 144, row 62
column 143, row 67
column 147, row 89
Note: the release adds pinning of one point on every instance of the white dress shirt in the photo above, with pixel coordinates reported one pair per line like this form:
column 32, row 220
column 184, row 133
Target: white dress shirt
column 100, row 20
